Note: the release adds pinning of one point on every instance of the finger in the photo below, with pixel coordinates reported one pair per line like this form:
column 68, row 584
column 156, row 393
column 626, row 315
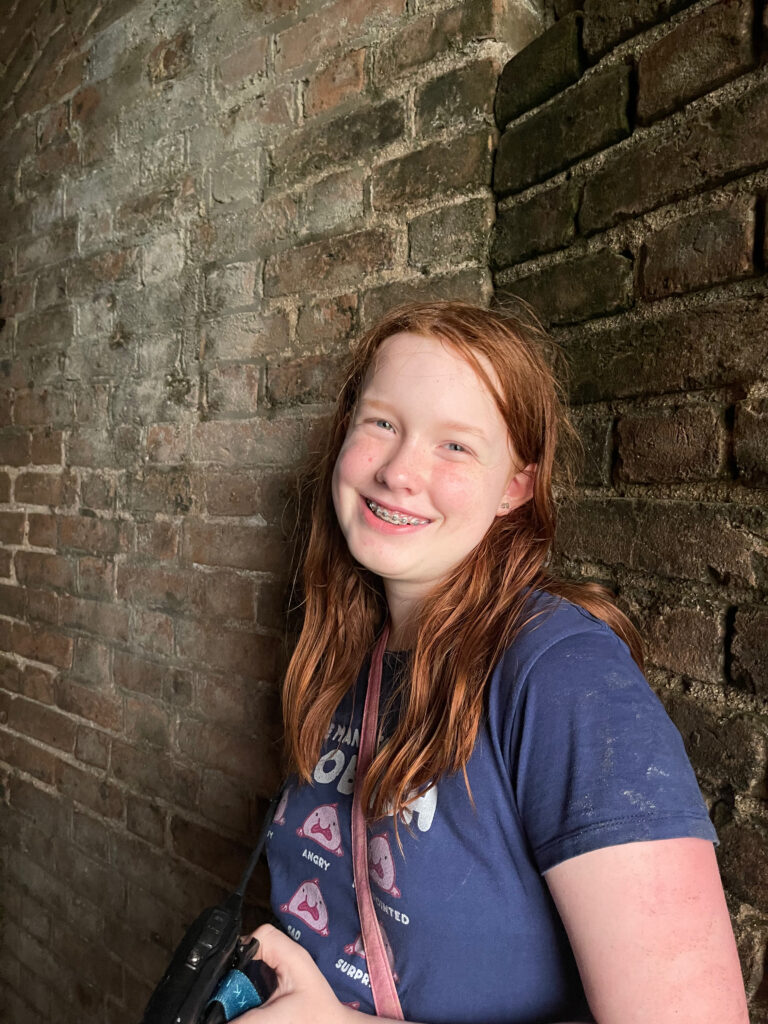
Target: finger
column 283, row 955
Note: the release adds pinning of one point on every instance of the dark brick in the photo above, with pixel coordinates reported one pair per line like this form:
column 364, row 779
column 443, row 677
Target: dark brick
column 726, row 751
column 265, row 442
column 608, row 24
column 545, row 222
column 229, row 752
column 239, row 493
column 462, row 96
column 713, row 346
column 546, row 66
column 700, row 54
column 146, row 819
column 672, row 539
column 589, row 117
column 595, row 430
column 309, row 379
column 92, row 747
column 575, row 290
column 254, row 547
column 38, row 569
column 437, row 169
column 698, row 251
column 154, row 773
column 97, row 708
column 452, row 234
column 43, row 489
column 346, row 138
column 750, row 440
column 743, row 857
column 11, row 527
column 90, row 790
column 466, row 286
column 689, row 641
column 15, row 446
column 315, row 35
column 327, row 322
column 669, row 445
column 156, row 489
column 210, row 850
column 749, row 649
column 717, row 144
column 337, row 262
column 240, row 653
column 42, row 723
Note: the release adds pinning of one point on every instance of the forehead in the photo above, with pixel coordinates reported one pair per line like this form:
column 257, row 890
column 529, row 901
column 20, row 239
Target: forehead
column 412, row 357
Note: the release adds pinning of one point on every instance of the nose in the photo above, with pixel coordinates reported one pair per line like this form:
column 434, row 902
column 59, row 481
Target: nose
column 403, row 469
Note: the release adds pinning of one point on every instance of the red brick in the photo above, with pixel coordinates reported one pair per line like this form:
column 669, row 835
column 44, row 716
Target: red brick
column 172, row 590
column 134, row 673
column 233, row 493
column 337, row 262
column 154, row 489
column 153, row 631
column 668, row 445
column 262, row 442
column 27, row 757
column 327, row 322
column 97, row 708
column 5, row 488
column 158, row 540
column 14, row 446
column 37, row 644
column 42, row 723
column 342, row 79
column 91, row 661
column 743, row 859
column 223, row 595
column 246, row 62
column 240, row 653
column 152, row 871
column 258, row 548
column 225, row 800
column 11, row 527
column 698, row 55
column 465, row 285
column 154, row 773
column 438, row 169
column 43, row 606
column 107, row 621
column 309, row 379
column 319, row 33
column 95, row 536
column 44, row 489
column 537, row 225
column 35, row 568
column 46, row 447
column 698, row 251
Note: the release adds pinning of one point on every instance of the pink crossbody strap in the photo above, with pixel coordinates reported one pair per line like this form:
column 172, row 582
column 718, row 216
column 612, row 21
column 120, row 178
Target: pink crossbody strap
column 379, row 972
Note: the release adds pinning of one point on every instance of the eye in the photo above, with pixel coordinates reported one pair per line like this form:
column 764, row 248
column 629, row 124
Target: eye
column 454, row 446
column 384, row 424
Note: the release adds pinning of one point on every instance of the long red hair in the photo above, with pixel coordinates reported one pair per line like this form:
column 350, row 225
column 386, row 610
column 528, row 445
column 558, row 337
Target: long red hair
column 473, row 616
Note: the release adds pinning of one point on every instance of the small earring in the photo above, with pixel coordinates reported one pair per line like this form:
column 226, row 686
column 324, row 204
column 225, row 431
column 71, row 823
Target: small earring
column 504, row 504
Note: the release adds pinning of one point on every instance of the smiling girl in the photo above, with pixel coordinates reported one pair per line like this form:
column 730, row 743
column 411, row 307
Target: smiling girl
column 537, row 847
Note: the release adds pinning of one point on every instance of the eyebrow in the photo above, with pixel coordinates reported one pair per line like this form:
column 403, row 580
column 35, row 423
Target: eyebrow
column 462, row 428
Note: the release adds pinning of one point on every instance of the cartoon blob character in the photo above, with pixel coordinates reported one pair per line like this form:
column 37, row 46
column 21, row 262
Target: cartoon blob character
column 308, row 905
column 355, row 1006
column 279, row 818
column 356, row 948
column 322, row 826
column 381, row 865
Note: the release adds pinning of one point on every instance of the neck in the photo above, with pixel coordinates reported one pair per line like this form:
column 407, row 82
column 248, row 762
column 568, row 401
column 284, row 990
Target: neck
column 402, row 616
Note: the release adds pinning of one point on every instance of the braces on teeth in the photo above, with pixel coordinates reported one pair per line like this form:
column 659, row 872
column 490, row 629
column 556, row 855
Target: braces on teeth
column 396, row 518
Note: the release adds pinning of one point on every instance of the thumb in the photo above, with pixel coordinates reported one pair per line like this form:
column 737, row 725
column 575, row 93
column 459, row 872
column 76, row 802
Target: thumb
column 286, row 958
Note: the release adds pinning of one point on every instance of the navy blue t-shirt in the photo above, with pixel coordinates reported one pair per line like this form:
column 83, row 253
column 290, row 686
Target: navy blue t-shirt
column 575, row 753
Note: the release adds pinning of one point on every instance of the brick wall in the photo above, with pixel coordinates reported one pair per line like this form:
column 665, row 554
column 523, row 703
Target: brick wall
column 200, row 204
column 631, row 182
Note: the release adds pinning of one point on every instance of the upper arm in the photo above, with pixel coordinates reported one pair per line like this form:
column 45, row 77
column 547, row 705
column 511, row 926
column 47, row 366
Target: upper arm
column 651, row 934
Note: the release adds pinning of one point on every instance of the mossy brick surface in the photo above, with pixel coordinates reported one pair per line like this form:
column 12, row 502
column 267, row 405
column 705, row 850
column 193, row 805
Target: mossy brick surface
column 589, row 117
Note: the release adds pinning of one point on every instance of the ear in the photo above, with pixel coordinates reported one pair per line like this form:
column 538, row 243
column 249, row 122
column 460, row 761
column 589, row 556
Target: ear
column 519, row 490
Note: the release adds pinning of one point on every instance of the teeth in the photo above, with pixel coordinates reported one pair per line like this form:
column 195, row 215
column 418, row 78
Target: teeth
column 396, row 518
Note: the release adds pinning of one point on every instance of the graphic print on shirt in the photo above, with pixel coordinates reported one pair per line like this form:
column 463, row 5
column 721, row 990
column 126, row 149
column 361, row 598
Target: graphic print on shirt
column 322, row 827
column 381, row 865
column 356, row 948
column 308, row 905
column 279, row 818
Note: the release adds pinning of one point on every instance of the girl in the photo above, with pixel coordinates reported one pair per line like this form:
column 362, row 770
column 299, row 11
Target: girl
column 538, row 849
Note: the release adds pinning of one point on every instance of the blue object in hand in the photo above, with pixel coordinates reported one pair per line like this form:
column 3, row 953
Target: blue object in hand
column 240, row 991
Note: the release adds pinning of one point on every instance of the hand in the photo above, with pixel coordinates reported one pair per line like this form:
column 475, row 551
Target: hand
column 302, row 993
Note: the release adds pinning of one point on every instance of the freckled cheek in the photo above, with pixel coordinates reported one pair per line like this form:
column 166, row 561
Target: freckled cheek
column 355, row 463
column 456, row 491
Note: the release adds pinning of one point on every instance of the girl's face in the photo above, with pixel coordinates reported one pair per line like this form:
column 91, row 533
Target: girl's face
column 425, row 467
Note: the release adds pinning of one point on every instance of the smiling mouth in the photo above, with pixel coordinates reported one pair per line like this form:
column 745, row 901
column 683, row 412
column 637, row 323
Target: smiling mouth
column 395, row 518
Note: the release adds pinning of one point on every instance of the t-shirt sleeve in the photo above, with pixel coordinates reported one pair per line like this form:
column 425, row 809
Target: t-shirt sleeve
column 595, row 760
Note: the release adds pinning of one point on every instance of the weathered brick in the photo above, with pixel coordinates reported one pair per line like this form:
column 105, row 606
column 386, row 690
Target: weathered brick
column 342, row 79
column 749, row 649
column 92, row 747
column 170, row 57
column 717, row 144
column 589, row 117
column 577, row 289
column 231, row 753
column 232, row 286
column 253, row 547
column 15, row 445
column 11, row 527
column 153, row 773
column 246, row 62
column 137, row 674
column 714, row 346
column 247, row 444
column 664, row 446
column 461, row 97
column 241, row 493
column 337, row 262
column 159, row 539
column 145, row 819
column 698, row 55
column 673, row 539
column 608, row 24
column 156, row 489
column 42, row 723
column 210, row 850
column 339, row 141
column 335, row 203
column 27, row 757
column 169, row 590
column 540, row 224
column 44, row 489
column 319, row 33
column 452, row 234
column 226, row 596
column 227, row 650
column 94, row 536
column 37, row 569
column 45, row 447
column 97, row 708
column 224, row 800
column 750, row 440
column 689, row 641
column 700, row 250
column 232, row 391
column 42, row 530
column 310, row 379
column 90, row 790
column 465, row 285
column 545, row 67
column 244, row 336
column 91, row 660
column 594, row 426
column 438, row 169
